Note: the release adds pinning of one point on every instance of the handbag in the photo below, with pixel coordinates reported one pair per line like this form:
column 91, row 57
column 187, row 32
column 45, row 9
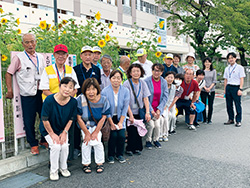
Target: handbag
column 142, row 111
column 105, row 128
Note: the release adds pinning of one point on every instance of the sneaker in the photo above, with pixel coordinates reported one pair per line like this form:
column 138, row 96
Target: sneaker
column 129, row 153
column 196, row 124
column 121, row 159
column 44, row 145
column 34, row 150
column 192, row 127
column 137, row 152
column 111, row 160
column 165, row 138
column 161, row 139
column 210, row 122
column 54, row 176
column 65, row 173
column 157, row 144
column 173, row 132
column 238, row 124
column 149, row 145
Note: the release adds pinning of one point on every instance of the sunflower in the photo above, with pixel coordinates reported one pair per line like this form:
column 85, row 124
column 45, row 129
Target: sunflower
column 64, row 32
column 4, row 20
column 60, row 26
column 43, row 25
column 53, row 28
column 101, row 43
column 107, row 38
column 64, row 22
column 159, row 39
column 98, row 16
column 4, row 57
column 158, row 54
column 110, row 25
column 161, row 25
column 1, row 10
column 18, row 21
column 19, row 31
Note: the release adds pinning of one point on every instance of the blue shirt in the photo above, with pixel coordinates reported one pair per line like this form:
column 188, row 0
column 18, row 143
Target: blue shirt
column 57, row 115
column 167, row 69
column 99, row 65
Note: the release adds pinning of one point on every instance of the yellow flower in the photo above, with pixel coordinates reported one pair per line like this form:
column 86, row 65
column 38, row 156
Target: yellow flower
column 101, row 43
column 110, row 25
column 107, row 38
column 158, row 54
column 128, row 55
column 43, row 25
column 64, row 32
column 4, row 20
column 1, row 10
column 59, row 38
column 53, row 28
column 141, row 43
column 40, row 38
column 4, row 57
column 60, row 26
column 159, row 39
column 19, row 31
column 64, row 22
column 98, row 16
column 161, row 25
column 18, row 21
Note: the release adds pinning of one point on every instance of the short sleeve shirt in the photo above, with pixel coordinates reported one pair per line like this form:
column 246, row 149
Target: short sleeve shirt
column 57, row 115
column 147, row 66
column 234, row 73
column 188, row 88
column 144, row 92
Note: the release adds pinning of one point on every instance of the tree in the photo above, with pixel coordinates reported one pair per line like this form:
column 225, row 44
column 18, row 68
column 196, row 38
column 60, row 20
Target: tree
column 193, row 18
column 234, row 18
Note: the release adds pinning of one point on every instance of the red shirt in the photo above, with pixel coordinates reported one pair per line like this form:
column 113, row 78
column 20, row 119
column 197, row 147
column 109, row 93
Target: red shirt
column 157, row 94
column 187, row 88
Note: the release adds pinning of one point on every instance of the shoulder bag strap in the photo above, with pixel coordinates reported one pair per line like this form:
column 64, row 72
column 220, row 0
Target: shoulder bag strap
column 91, row 111
column 134, row 92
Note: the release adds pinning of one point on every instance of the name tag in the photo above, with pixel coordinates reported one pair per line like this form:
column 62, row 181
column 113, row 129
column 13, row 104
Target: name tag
column 186, row 97
column 135, row 106
column 37, row 77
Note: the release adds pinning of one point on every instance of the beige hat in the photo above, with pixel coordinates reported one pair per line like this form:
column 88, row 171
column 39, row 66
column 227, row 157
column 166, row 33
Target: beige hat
column 191, row 54
column 86, row 48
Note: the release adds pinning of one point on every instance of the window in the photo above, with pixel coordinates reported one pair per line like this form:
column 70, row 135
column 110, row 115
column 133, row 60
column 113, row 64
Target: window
column 146, row 7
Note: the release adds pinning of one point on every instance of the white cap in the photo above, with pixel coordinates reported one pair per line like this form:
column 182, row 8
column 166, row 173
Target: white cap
column 169, row 56
column 96, row 49
column 191, row 54
column 86, row 48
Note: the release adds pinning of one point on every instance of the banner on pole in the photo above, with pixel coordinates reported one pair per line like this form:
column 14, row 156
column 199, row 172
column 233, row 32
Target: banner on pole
column 2, row 138
column 162, row 32
column 18, row 115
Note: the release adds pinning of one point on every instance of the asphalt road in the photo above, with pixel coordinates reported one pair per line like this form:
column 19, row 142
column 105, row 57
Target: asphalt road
column 215, row 155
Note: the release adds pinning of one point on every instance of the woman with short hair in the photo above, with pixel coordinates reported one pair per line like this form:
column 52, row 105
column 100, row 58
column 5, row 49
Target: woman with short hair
column 92, row 112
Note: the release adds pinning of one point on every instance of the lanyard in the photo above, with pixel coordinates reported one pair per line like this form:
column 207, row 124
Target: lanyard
column 134, row 88
column 58, row 74
column 37, row 67
column 188, row 86
column 84, row 78
column 230, row 73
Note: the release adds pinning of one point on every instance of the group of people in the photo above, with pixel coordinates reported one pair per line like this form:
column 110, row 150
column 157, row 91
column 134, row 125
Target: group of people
column 134, row 100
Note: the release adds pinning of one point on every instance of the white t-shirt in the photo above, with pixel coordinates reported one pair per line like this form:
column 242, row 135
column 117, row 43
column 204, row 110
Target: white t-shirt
column 147, row 66
column 116, row 102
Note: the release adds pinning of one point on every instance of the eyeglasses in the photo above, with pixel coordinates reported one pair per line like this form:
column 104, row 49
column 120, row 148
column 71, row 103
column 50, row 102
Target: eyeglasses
column 157, row 71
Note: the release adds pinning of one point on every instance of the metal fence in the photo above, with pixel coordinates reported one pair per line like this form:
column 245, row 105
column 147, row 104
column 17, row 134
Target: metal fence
column 12, row 147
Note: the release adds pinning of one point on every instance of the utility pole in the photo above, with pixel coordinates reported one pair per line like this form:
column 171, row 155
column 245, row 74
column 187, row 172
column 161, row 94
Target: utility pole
column 55, row 12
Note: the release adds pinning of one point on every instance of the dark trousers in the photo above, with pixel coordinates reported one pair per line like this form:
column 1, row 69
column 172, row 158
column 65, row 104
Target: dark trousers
column 116, row 143
column 30, row 106
column 232, row 96
column 210, row 96
column 134, row 140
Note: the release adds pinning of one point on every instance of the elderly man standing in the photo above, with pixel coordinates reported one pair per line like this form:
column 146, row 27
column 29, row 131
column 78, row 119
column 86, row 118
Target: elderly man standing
column 53, row 74
column 28, row 67
column 168, row 66
column 184, row 102
column 106, row 62
column 87, row 69
column 96, row 56
column 124, row 65
column 142, row 60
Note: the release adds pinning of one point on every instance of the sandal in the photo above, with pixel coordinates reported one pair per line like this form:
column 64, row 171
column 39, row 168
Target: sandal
column 99, row 167
column 87, row 169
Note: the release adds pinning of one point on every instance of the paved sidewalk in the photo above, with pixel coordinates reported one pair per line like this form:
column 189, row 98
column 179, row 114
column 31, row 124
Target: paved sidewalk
column 213, row 156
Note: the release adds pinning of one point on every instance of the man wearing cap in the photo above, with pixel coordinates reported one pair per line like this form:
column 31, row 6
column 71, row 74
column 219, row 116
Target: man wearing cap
column 190, row 63
column 28, row 67
column 124, row 65
column 168, row 66
column 142, row 60
column 87, row 69
column 53, row 74
column 96, row 56
column 106, row 62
